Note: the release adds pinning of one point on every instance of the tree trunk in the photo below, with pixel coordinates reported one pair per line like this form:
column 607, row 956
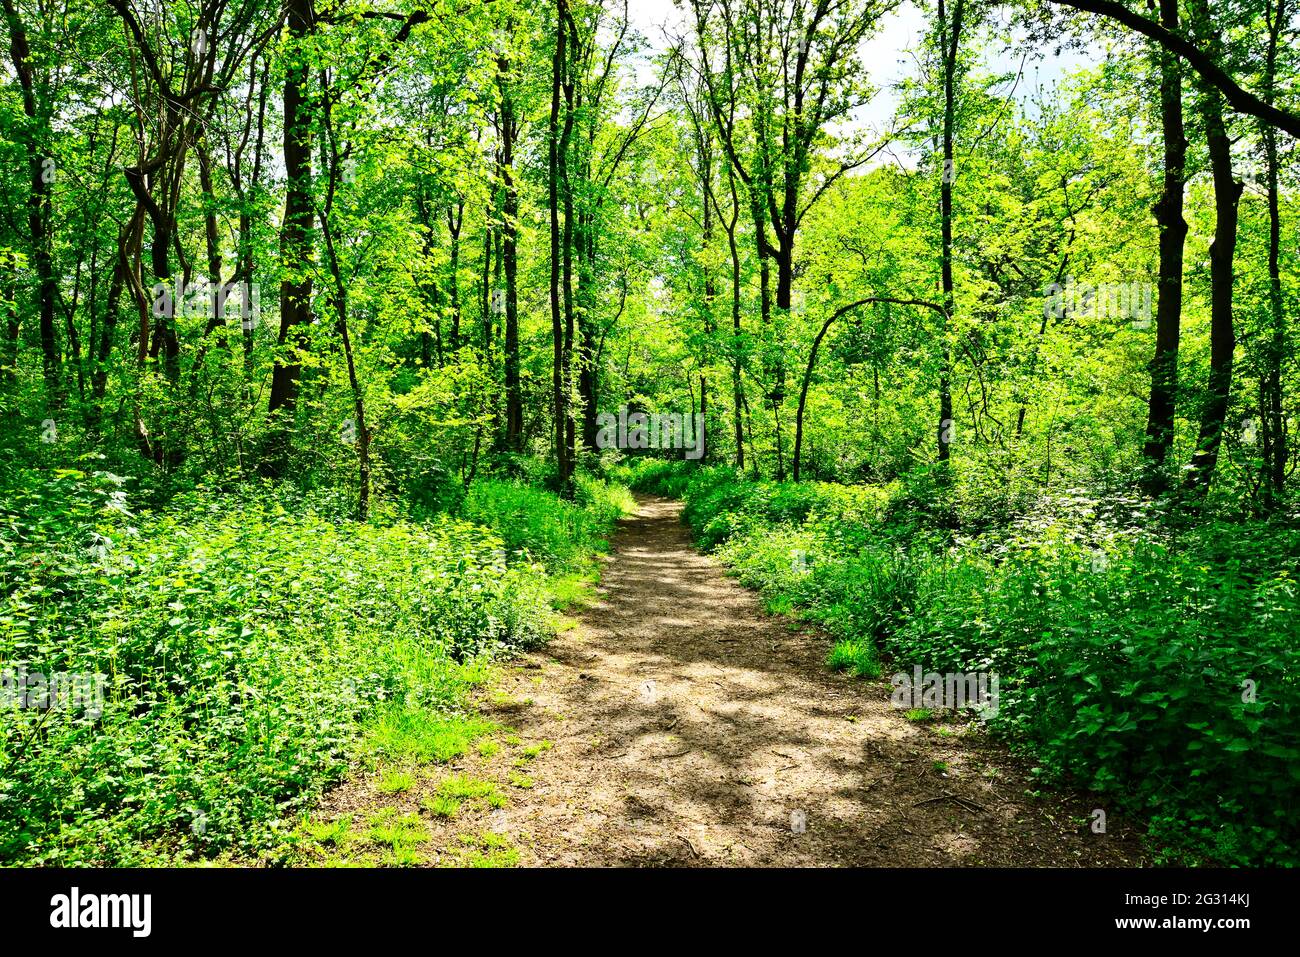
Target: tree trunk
column 1169, row 304
column 40, row 174
column 737, row 330
column 454, row 220
column 339, row 297
column 295, row 240
column 950, row 36
column 558, row 384
column 803, row 392
column 510, row 266
column 1273, row 422
column 128, row 240
column 1227, row 194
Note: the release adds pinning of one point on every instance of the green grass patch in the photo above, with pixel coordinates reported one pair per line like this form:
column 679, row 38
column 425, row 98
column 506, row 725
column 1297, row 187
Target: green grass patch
column 395, row 782
column 254, row 648
column 484, row 850
column 440, row 805
column 413, row 734
column 390, row 828
column 854, row 656
column 533, row 750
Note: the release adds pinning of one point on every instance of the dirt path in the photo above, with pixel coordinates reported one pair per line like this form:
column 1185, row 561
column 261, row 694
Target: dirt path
column 688, row 727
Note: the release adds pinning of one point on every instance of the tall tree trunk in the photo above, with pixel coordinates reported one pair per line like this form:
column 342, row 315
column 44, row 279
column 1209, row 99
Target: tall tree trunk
column 553, row 145
column 1273, row 422
column 217, row 290
column 803, row 393
column 1227, row 194
column 295, row 240
column 950, row 39
column 1162, row 406
column 128, row 240
column 566, row 270
column 485, row 303
column 510, row 264
column 339, row 298
column 737, row 331
column 40, row 174
column 455, row 217
column 12, row 313
column 430, row 344
column 585, row 242
column 773, row 369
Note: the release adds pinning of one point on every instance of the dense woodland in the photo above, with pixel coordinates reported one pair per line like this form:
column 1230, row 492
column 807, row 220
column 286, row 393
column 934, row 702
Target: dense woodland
column 312, row 310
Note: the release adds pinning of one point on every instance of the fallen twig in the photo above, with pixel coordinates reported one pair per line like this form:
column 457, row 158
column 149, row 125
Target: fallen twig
column 960, row 801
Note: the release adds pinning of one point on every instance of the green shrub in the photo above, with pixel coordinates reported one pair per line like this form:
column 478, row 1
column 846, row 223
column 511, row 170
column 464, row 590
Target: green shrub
column 855, row 656
column 667, row 477
column 535, row 524
column 1134, row 675
column 246, row 648
column 1127, row 652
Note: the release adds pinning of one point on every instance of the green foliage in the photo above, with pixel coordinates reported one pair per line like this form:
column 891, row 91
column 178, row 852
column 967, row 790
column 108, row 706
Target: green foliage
column 178, row 489
column 534, row 524
column 1165, row 674
column 1151, row 664
column 249, row 652
column 667, row 477
column 856, row 656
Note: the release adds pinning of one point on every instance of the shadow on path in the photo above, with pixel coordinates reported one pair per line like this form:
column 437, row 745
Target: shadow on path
column 691, row 728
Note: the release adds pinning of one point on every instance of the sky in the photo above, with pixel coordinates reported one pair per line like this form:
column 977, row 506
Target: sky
column 886, row 55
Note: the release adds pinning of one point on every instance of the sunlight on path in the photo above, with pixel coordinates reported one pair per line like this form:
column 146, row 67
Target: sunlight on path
column 691, row 728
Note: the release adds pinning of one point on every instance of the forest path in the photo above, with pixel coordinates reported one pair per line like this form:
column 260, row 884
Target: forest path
column 689, row 727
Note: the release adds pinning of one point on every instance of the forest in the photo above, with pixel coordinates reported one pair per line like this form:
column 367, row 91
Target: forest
column 383, row 382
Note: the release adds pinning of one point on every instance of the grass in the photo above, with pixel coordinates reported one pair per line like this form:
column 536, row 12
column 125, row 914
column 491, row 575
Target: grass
column 260, row 647
column 855, row 656
column 575, row 591
column 413, row 734
column 484, row 849
column 336, row 832
column 390, row 827
column 533, row 750
column 462, row 787
column 395, row 782
column 460, row 790
column 439, row 805
column 404, row 855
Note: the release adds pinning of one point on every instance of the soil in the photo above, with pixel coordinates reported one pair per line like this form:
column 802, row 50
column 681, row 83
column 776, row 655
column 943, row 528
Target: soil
column 691, row 728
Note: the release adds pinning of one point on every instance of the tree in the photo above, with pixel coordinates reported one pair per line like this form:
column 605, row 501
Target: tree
column 793, row 85
column 1162, row 405
column 1227, row 196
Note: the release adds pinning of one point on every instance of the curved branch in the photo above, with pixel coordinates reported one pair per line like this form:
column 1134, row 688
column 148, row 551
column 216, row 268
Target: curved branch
column 1241, row 100
column 812, row 358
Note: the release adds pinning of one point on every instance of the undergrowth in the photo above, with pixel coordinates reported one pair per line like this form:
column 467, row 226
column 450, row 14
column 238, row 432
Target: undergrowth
column 226, row 657
column 1150, row 661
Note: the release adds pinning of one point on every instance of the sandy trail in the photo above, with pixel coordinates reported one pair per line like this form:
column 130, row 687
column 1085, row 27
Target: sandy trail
column 691, row 728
